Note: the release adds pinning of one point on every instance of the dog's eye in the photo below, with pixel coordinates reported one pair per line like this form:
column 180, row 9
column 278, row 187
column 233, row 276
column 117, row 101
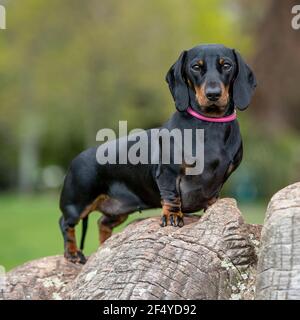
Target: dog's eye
column 226, row 66
column 196, row 67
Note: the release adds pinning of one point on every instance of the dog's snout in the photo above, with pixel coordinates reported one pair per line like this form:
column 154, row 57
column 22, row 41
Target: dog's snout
column 213, row 92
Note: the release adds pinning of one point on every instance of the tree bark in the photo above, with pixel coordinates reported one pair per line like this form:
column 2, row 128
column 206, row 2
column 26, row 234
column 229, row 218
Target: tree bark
column 42, row 279
column 278, row 274
column 213, row 257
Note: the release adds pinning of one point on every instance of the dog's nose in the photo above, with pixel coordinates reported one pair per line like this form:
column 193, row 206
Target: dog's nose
column 213, row 93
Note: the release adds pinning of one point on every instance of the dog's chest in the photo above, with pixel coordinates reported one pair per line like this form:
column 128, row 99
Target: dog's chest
column 196, row 191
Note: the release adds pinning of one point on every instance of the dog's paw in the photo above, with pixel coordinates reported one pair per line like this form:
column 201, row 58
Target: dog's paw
column 179, row 221
column 163, row 221
column 175, row 220
column 77, row 257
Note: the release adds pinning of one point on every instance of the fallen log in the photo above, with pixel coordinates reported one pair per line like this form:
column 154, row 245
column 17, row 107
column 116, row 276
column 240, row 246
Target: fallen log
column 42, row 279
column 278, row 274
column 212, row 257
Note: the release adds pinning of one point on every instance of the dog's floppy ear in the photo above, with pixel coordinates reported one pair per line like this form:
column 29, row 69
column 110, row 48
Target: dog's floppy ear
column 177, row 84
column 244, row 83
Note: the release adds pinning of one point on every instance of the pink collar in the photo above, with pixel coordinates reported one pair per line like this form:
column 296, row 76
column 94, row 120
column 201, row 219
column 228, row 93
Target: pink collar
column 197, row 115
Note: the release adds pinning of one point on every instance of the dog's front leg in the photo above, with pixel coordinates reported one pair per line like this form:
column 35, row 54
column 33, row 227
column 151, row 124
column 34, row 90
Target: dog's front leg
column 171, row 211
column 171, row 203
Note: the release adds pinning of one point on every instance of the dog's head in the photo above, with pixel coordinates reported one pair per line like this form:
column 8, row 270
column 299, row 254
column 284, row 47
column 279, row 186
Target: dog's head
column 211, row 79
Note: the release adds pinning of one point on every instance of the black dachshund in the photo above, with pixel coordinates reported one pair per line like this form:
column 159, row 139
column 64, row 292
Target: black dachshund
column 207, row 82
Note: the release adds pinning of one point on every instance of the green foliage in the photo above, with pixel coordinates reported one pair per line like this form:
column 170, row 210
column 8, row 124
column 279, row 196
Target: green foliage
column 29, row 227
column 73, row 67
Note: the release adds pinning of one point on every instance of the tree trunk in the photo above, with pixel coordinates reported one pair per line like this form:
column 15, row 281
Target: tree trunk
column 212, row 257
column 42, row 279
column 278, row 274
column 277, row 67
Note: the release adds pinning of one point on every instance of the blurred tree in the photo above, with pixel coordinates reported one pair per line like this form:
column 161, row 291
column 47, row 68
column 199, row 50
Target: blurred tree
column 69, row 68
column 278, row 68
column 271, row 135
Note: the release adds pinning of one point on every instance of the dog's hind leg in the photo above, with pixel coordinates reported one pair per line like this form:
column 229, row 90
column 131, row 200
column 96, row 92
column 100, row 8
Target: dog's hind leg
column 107, row 223
column 67, row 226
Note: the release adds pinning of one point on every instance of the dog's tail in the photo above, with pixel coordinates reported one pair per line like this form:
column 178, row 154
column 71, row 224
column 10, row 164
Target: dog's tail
column 84, row 230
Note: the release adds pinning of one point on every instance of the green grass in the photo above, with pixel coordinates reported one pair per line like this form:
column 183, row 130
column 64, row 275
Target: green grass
column 29, row 227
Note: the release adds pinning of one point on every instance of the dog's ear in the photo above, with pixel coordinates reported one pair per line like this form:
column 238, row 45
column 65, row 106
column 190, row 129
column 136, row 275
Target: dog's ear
column 244, row 83
column 177, row 84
